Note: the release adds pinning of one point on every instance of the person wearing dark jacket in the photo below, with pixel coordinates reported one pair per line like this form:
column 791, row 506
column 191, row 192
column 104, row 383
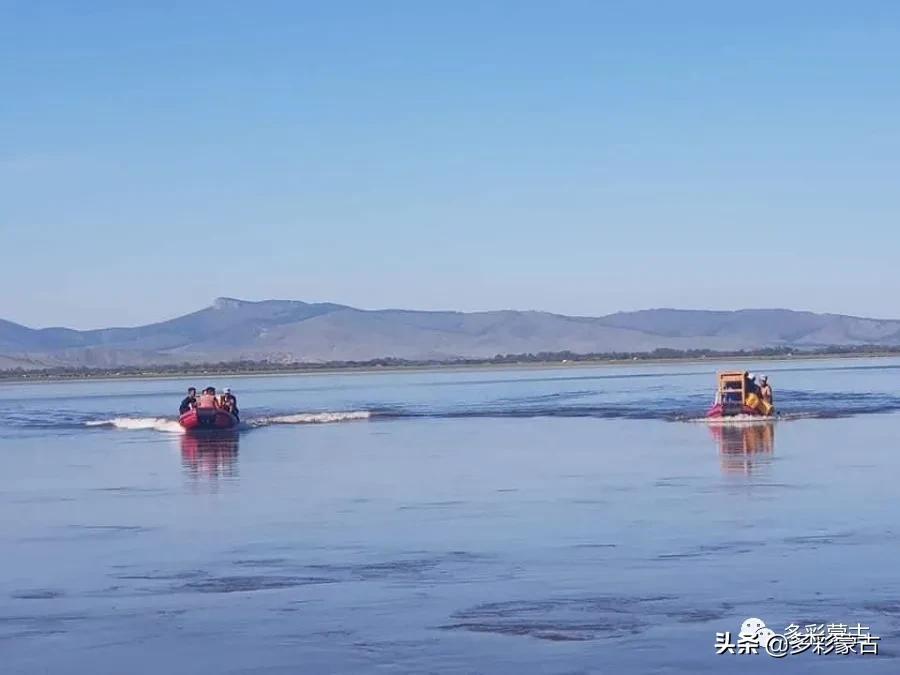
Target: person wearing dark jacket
column 750, row 386
column 229, row 402
column 189, row 402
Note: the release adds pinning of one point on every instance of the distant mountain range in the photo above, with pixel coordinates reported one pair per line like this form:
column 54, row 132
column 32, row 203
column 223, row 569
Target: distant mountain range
column 290, row 331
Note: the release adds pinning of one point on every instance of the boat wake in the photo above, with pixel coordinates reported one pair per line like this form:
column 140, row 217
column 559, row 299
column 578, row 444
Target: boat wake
column 692, row 408
column 138, row 424
column 311, row 418
column 747, row 420
column 172, row 426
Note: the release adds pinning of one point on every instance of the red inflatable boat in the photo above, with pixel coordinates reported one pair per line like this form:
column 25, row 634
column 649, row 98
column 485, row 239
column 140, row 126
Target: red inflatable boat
column 208, row 418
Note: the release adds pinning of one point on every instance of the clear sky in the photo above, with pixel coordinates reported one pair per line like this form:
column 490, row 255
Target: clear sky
column 575, row 157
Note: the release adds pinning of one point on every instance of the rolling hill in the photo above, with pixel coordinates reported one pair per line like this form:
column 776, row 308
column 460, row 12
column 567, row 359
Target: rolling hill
column 290, row 331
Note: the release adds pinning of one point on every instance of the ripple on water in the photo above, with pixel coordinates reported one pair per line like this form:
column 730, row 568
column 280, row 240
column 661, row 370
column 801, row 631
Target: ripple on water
column 125, row 529
column 87, row 532
column 401, row 568
column 431, row 505
column 162, row 576
column 262, row 562
column 576, row 619
column 816, row 540
column 43, row 499
column 200, row 581
column 583, row 619
column 709, row 550
column 22, row 626
column 37, row 594
column 289, row 573
column 244, row 584
column 887, row 608
column 132, row 490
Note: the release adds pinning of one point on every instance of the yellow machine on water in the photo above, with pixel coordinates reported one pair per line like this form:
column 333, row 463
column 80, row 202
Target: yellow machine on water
column 736, row 396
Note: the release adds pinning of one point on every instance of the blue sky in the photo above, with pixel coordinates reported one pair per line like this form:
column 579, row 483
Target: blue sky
column 575, row 157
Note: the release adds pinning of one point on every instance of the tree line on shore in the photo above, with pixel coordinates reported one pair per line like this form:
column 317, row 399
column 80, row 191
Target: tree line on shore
column 250, row 367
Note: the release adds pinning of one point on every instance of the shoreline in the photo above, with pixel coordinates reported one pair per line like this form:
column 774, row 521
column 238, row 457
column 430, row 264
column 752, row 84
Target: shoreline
column 38, row 378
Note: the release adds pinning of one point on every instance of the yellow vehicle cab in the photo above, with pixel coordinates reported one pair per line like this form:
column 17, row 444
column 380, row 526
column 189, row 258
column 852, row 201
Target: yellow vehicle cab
column 736, row 395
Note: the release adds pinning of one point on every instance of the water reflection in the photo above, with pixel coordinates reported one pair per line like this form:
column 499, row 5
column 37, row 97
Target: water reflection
column 212, row 455
column 744, row 448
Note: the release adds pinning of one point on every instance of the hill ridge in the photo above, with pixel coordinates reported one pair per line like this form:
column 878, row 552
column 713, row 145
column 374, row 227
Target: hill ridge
column 294, row 330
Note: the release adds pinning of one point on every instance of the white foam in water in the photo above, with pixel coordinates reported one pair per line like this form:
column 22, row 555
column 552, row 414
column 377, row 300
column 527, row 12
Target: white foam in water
column 139, row 423
column 737, row 420
column 314, row 418
column 172, row 426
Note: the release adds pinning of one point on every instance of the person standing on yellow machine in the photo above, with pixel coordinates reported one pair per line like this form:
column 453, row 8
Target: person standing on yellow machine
column 765, row 390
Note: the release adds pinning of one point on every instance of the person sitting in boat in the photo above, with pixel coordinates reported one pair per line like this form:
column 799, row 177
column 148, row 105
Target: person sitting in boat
column 229, row 402
column 189, row 402
column 765, row 390
column 208, row 398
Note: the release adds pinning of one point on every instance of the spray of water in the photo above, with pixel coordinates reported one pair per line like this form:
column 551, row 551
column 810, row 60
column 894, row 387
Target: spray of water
column 139, row 423
column 172, row 426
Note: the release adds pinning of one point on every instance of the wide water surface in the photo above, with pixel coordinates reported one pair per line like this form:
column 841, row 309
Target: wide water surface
column 573, row 520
